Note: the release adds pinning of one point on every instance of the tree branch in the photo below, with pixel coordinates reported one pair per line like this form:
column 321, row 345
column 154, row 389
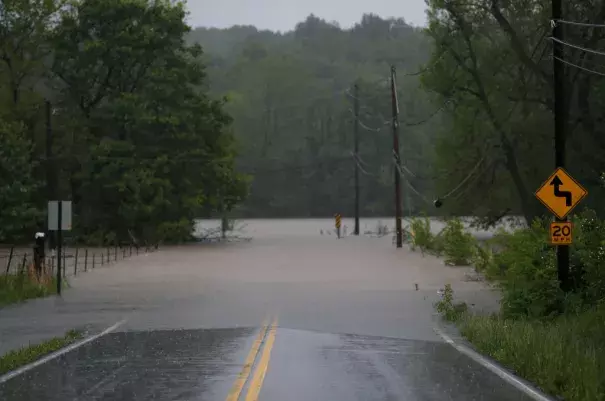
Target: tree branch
column 516, row 43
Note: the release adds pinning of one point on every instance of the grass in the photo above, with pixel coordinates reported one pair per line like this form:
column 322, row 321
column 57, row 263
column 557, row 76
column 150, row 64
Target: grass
column 25, row 355
column 15, row 288
column 564, row 356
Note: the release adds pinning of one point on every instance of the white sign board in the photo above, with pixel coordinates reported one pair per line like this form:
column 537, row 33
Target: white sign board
column 53, row 215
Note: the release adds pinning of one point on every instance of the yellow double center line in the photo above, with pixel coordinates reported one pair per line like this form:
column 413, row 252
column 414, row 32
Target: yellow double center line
column 266, row 336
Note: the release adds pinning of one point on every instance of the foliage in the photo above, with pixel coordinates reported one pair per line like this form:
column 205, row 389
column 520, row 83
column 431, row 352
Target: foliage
column 140, row 148
column 422, row 237
column 490, row 62
column 564, row 357
column 31, row 353
column 19, row 287
column 449, row 310
column 457, row 244
column 18, row 213
column 483, row 258
column 528, row 274
column 291, row 96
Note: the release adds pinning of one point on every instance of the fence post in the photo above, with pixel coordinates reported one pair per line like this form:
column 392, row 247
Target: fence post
column 76, row 262
column 24, row 261
column 102, row 258
column 10, row 258
column 85, row 259
column 108, row 255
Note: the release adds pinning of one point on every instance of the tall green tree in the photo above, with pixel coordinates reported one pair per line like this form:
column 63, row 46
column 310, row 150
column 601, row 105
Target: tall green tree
column 492, row 61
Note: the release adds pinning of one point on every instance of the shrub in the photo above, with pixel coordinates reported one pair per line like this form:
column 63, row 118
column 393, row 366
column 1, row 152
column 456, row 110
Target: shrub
column 483, row 258
column 457, row 244
column 422, row 238
column 447, row 308
column 526, row 269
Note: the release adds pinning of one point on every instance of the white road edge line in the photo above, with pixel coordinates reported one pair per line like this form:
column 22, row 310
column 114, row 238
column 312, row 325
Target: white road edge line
column 503, row 374
column 6, row 377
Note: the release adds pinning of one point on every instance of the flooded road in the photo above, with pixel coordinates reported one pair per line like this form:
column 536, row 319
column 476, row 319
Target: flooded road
column 288, row 315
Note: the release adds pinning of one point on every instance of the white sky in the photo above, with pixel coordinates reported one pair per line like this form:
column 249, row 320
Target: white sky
column 283, row 15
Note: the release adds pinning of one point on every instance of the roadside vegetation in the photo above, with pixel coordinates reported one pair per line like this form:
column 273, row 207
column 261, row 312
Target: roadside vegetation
column 553, row 338
column 15, row 288
column 27, row 284
column 25, row 355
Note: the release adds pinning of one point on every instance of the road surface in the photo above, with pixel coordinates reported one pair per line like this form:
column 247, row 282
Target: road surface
column 281, row 317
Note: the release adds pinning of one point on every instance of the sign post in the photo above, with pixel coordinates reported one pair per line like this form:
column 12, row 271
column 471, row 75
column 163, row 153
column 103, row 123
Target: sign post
column 560, row 193
column 59, row 220
column 337, row 224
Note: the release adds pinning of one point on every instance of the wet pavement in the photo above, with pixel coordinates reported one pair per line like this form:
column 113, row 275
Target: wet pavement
column 350, row 325
column 302, row 365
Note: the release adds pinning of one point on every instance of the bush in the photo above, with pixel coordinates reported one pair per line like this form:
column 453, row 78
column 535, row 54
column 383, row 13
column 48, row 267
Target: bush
column 483, row 258
column 527, row 273
column 447, row 308
column 422, row 236
column 588, row 258
column 457, row 244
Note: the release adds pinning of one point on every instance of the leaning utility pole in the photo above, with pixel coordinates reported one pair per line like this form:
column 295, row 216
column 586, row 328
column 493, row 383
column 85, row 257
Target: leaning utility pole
column 356, row 154
column 560, row 125
column 395, row 122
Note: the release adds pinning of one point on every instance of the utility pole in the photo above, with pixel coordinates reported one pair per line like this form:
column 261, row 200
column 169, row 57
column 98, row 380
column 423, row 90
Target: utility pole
column 560, row 125
column 395, row 110
column 356, row 151
column 51, row 182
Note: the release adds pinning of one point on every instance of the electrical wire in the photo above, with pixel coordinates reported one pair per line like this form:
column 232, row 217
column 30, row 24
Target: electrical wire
column 466, row 178
column 585, row 24
column 357, row 161
column 422, row 71
column 579, row 67
column 430, row 116
column 408, row 183
column 584, row 49
column 362, row 125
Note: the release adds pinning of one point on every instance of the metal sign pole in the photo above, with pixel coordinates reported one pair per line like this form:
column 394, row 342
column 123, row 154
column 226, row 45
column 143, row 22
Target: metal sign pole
column 59, row 243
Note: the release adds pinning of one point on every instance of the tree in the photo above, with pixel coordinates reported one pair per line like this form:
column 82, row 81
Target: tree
column 19, row 217
column 490, row 62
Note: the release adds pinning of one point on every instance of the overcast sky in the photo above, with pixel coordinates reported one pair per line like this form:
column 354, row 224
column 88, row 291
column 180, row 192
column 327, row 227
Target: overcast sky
column 283, row 15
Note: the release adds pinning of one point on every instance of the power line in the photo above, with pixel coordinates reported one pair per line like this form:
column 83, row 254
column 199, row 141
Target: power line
column 579, row 67
column 425, row 69
column 408, row 183
column 430, row 116
column 357, row 161
column 584, row 49
column 466, row 178
column 585, row 24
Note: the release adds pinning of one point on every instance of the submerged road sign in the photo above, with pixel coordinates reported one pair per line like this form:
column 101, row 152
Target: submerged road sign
column 337, row 220
column 561, row 193
column 561, row 233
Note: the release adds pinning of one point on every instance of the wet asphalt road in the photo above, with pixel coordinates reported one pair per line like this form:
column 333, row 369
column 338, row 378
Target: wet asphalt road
column 274, row 319
column 303, row 365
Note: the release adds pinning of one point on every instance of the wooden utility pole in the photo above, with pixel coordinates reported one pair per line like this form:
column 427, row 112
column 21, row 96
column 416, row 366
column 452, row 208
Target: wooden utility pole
column 560, row 125
column 356, row 154
column 395, row 123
